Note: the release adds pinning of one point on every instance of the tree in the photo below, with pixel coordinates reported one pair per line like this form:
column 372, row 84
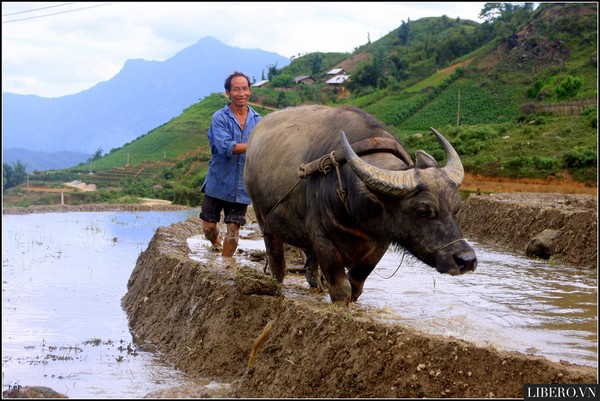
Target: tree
column 316, row 63
column 14, row 175
column 282, row 81
column 404, row 31
column 272, row 71
column 506, row 17
column 491, row 11
column 97, row 155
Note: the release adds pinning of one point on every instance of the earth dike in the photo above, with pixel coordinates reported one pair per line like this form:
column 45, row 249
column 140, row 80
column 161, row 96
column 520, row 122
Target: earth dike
column 233, row 323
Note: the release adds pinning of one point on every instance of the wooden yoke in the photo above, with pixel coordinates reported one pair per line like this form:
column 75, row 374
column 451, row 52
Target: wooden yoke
column 366, row 146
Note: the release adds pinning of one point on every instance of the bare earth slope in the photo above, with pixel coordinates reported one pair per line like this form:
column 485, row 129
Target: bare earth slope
column 512, row 220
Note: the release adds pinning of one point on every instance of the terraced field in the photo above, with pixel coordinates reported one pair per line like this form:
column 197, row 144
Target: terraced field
column 118, row 175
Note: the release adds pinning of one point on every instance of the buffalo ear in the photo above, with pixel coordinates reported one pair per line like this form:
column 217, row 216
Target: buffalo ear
column 424, row 160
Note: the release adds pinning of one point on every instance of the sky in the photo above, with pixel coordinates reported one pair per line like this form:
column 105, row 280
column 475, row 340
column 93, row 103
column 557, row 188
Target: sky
column 53, row 49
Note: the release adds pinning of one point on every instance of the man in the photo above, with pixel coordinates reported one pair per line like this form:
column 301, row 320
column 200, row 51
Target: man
column 224, row 185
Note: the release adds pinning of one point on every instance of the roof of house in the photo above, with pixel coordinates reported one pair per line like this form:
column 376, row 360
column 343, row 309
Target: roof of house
column 302, row 78
column 336, row 71
column 338, row 79
column 260, row 83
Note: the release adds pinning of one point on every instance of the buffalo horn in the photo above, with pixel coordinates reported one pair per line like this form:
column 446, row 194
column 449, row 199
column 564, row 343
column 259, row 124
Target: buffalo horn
column 454, row 168
column 399, row 183
column 392, row 183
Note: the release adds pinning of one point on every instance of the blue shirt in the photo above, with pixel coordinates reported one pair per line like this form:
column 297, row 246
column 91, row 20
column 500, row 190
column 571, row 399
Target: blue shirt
column 225, row 176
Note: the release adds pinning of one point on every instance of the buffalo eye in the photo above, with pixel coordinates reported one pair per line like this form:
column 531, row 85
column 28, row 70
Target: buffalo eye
column 425, row 211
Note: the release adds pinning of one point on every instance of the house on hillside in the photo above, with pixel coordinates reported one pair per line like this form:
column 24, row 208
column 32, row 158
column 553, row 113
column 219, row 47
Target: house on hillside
column 338, row 80
column 260, row 84
column 336, row 71
column 304, row 79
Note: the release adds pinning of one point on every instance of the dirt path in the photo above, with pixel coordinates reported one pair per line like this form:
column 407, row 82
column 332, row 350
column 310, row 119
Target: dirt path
column 565, row 185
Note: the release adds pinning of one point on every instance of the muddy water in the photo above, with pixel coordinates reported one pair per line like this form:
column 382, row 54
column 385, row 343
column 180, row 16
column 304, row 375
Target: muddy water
column 64, row 274
column 510, row 302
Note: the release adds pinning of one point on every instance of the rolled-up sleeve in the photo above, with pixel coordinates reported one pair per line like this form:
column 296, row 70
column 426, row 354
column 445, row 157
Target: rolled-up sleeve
column 225, row 176
column 220, row 130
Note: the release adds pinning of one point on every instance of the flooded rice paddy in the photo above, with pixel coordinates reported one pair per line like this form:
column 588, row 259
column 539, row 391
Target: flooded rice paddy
column 63, row 277
column 64, row 274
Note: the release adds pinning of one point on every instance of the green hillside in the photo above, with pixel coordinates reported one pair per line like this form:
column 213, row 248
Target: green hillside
column 515, row 95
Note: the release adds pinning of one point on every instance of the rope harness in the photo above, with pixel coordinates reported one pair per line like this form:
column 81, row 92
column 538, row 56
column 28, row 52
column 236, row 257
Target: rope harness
column 402, row 260
column 324, row 164
column 325, row 168
column 450, row 243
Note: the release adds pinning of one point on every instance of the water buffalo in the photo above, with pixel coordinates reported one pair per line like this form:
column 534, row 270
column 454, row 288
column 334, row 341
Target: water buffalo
column 310, row 189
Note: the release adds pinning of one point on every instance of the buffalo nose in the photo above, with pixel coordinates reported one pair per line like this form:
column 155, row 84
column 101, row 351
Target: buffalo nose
column 466, row 261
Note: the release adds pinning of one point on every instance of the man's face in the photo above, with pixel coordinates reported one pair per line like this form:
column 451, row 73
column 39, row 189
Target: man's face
column 240, row 91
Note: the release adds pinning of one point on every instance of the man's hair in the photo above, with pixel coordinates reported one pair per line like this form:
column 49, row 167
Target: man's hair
column 235, row 74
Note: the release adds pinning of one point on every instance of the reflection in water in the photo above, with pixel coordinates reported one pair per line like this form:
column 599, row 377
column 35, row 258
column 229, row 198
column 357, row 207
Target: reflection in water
column 63, row 277
column 510, row 302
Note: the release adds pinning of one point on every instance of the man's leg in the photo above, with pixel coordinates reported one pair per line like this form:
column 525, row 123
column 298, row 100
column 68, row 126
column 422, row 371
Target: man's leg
column 231, row 239
column 210, row 215
column 235, row 217
column 211, row 232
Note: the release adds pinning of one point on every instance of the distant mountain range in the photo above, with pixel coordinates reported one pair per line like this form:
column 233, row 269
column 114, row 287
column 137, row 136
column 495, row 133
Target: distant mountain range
column 141, row 97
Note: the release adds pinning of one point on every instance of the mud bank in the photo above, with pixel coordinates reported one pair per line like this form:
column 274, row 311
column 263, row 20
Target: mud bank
column 511, row 221
column 92, row 207
column 209, row 318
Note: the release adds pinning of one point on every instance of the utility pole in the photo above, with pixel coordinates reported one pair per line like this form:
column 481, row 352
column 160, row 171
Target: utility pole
column 458, row 111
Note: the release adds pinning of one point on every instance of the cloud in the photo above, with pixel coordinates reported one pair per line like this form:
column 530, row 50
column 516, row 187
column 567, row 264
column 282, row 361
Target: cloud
column 55, row 49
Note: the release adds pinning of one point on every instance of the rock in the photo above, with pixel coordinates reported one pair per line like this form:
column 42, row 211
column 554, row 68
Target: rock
column 32, row 392
column 250, row 282
column 542, row 245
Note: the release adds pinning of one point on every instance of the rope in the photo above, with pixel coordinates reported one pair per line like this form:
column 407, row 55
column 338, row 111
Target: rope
column 450, row 243
column 395, row 271
column 280, row 200
column 322, row 167
column 326, row 169
column 271, row 211
column 403, row 254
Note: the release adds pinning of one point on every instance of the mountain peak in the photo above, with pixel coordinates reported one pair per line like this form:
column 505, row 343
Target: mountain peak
column 142, row 96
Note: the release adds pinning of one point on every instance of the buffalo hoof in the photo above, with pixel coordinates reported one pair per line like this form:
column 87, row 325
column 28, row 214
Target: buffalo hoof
column 312, row 277
column 311, row 274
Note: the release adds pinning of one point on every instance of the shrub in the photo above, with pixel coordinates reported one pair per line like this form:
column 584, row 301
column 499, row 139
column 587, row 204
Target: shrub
column 569, row 87
column 580, row 157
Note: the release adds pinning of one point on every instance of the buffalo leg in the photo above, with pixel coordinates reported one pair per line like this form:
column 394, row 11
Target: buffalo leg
column 357, row 276
column 312, row 271
column 340, row 290
column 275, row 257
column 314, row 275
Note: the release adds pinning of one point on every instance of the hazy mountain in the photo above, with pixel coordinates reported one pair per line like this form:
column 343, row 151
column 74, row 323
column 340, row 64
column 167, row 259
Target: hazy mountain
column 142, row 96
column 35, row 160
